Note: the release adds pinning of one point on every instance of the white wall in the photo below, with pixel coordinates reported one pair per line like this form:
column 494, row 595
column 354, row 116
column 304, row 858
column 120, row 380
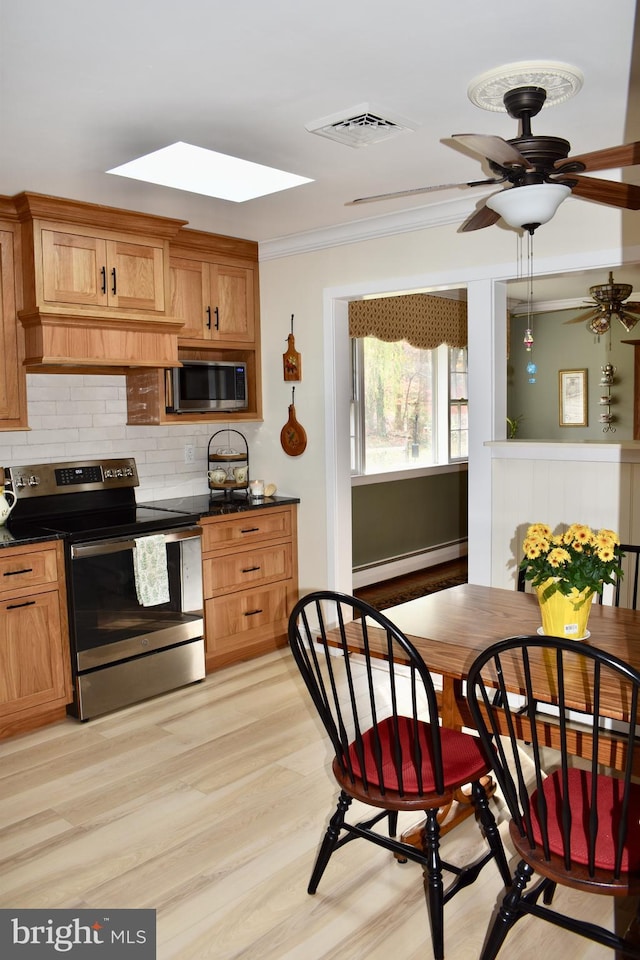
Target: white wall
column 316, row 285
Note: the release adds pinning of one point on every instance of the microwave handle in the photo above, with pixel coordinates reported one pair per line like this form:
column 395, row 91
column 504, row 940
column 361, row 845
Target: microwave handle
column 168, row 389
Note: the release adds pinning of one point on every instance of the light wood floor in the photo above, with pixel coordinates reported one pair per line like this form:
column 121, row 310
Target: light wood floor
column 208, row 804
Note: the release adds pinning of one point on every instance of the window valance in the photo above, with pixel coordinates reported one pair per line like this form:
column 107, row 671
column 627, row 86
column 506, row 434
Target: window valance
column 422, row 319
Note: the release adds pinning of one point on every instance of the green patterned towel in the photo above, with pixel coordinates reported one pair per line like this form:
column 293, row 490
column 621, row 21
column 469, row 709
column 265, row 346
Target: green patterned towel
column 150, row 570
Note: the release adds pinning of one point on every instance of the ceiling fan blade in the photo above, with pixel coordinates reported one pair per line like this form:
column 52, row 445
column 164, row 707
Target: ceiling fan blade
column 493, row 148
column 631, row 307
column 612, row 192
column 418, row 190
column 626, row 155
column 584, row 317
column 484, row 217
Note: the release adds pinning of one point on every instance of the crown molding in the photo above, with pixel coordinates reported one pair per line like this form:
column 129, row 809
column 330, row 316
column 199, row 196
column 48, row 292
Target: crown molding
column 550, row 306
column 371, row 228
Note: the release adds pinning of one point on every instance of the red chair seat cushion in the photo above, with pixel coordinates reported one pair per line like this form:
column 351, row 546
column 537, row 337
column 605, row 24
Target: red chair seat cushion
column 609, row 798
column 463, row 758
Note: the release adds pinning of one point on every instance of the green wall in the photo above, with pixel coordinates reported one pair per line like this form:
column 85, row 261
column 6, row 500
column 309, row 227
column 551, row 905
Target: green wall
column 561, row 346
column 396, row 518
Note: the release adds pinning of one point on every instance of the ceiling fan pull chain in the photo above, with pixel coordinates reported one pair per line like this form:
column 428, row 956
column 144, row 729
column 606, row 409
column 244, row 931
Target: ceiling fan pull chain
column 532, row 369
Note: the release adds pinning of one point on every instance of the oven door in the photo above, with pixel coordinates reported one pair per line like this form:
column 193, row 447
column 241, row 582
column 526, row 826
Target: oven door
column 108, row 623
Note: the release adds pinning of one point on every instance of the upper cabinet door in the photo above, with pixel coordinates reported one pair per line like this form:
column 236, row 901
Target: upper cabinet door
column 232, row 303
column 13, row 407
column 190, row 297
column 135, row 276
column 74, row 268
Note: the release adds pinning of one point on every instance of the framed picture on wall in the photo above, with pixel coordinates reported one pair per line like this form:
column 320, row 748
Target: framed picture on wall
column 572, row 395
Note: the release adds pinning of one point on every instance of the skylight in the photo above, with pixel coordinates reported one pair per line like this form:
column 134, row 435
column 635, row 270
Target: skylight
column 184, row 166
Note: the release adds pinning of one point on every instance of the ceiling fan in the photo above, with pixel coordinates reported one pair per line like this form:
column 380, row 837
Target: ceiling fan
column 609, row 305
column 529, row 161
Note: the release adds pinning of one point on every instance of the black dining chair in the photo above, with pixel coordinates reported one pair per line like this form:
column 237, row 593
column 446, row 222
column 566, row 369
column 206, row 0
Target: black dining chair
column 630, row 553
column 573, row 825
column 377, row 702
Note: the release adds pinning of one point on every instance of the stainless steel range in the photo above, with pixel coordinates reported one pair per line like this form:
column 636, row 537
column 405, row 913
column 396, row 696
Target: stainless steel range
column 134, row 579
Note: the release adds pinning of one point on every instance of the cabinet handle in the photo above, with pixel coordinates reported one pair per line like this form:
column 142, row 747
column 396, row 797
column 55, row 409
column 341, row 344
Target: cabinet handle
column 250, row 530
column 252, row 613
column 14, row 606
column 113, row 278
column 103, row 272
column 217, row 323
column 208, row 312
column 15, row 573
column 249, row 569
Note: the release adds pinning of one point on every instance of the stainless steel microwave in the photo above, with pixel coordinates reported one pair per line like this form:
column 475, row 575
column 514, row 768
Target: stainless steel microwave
column 203, row 386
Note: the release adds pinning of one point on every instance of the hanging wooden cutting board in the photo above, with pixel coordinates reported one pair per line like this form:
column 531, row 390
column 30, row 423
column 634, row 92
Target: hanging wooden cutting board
column 292, row 436
column 291, row 360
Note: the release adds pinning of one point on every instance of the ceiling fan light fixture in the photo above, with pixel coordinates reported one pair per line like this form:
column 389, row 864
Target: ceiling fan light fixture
column 529, row 206
column 627, row 321
column 599, row 325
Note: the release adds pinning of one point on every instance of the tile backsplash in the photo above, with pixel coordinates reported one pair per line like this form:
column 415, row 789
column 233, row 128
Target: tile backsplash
column 75, row 417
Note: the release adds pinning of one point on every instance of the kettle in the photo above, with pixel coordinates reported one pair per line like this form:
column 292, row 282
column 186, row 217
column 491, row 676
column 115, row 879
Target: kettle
column 5, row 507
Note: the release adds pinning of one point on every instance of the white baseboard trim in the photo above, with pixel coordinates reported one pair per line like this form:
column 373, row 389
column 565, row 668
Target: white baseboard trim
column 404, row 565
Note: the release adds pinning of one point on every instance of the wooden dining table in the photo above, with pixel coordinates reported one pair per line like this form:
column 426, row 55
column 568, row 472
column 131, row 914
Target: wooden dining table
column 451, row 627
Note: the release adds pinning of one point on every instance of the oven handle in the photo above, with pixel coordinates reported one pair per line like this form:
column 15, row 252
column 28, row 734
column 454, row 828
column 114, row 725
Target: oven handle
column 99, row 547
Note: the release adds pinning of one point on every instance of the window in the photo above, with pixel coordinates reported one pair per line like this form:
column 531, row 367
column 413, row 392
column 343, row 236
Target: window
column 458, row 404
column 409, row 406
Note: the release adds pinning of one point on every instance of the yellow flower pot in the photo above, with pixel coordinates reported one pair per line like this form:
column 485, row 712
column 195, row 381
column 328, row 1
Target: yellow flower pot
column 565, row 616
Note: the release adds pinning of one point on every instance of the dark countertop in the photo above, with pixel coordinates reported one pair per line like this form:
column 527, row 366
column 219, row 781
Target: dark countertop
column 21, row 533
column 217, row 505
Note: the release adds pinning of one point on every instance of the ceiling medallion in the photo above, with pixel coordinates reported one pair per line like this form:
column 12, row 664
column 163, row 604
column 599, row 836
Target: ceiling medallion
column 560, row 80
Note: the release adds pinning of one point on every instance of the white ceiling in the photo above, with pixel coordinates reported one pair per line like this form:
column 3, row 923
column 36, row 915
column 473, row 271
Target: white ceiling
column 86, row 86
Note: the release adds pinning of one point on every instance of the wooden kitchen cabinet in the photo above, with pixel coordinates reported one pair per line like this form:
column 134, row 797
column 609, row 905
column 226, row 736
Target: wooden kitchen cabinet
column 215, row 300
column 250, row 579
column 13, row 403
column 95, row 285
column 35, row 669
column 215, row 294
column 83, row 268
column 214, row 288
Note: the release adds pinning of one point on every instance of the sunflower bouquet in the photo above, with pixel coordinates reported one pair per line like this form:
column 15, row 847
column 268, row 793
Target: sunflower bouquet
column 577, row 559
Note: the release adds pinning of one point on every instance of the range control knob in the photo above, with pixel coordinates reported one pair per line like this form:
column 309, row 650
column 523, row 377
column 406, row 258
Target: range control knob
column 33, row 480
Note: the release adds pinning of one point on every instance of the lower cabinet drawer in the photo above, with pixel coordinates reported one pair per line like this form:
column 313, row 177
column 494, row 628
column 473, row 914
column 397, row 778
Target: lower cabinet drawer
column 250, row 568
column 18, row 570
column 248, row 527
column 241, row 620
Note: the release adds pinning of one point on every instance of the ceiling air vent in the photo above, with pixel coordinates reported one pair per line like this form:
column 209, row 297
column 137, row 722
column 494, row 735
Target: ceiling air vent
column 360, row 126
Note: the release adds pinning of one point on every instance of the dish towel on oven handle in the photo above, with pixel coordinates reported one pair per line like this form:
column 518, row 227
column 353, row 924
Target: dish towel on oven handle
column 150, row 570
